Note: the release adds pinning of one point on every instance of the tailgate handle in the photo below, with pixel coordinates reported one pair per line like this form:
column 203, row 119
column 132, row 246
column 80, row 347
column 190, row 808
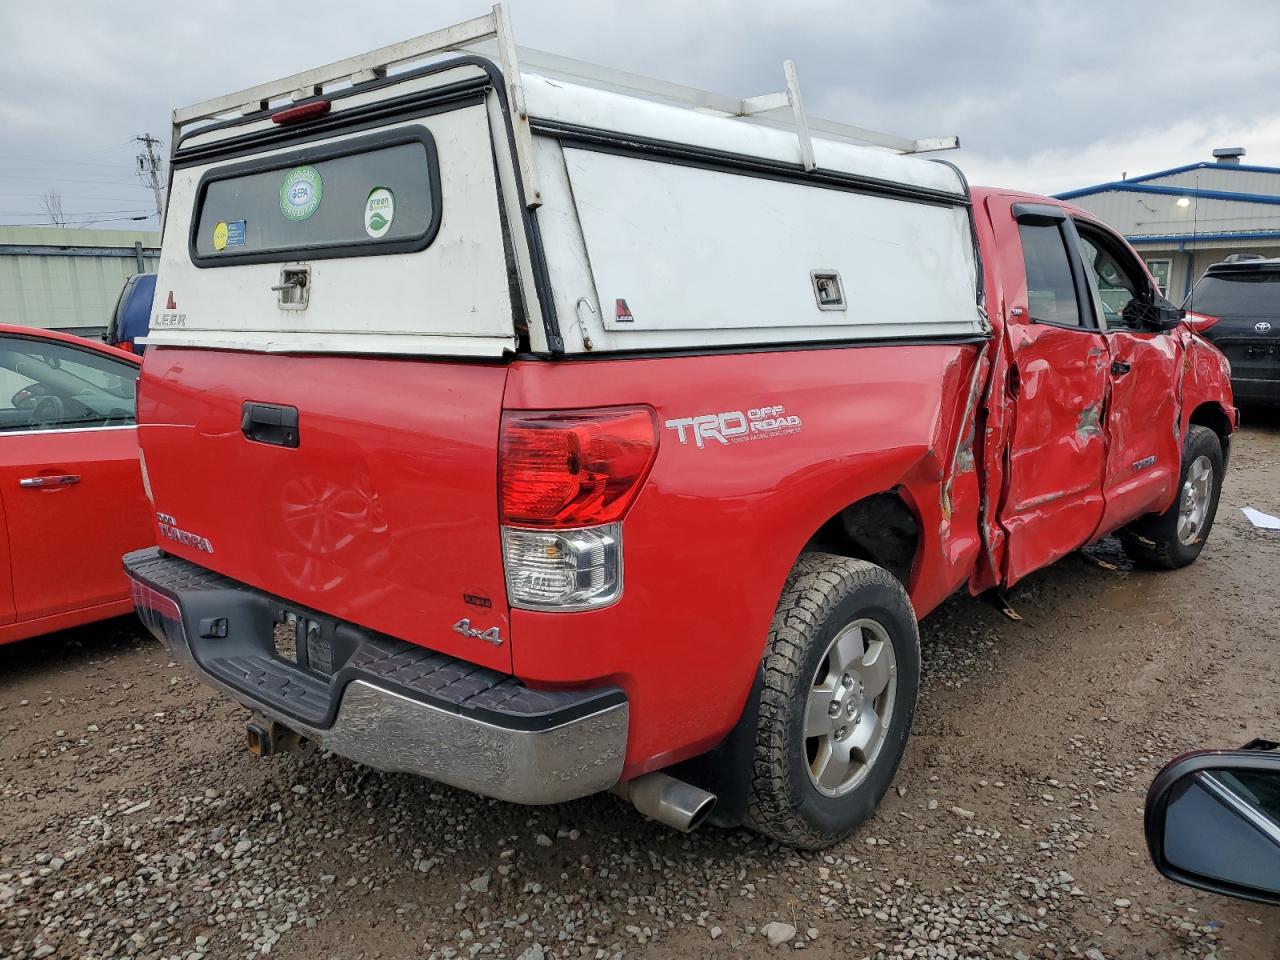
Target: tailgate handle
column 271, row 423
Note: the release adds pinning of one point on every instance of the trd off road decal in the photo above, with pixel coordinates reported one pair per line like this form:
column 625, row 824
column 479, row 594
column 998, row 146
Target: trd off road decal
column 734, row 426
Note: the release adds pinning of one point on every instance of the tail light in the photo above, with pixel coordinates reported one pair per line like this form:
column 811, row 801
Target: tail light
column 1200, row 322
column 567, row 479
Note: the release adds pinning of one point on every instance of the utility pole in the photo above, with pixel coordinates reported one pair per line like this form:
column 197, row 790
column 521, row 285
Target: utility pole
column 149, row 170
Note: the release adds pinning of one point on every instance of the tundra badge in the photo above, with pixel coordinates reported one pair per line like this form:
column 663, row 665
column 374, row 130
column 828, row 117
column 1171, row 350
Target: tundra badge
column 169, row 529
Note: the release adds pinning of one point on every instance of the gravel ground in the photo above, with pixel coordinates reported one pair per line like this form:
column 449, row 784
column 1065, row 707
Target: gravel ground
column 136, row 825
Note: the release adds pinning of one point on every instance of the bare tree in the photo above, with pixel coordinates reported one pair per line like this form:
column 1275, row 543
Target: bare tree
column 51, row 200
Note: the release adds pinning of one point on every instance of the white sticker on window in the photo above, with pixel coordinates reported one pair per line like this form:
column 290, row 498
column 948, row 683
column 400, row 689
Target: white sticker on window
column 379, row 211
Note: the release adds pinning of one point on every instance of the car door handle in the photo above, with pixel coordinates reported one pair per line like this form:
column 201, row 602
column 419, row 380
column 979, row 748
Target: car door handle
column 1120, row 367
column 64, row 480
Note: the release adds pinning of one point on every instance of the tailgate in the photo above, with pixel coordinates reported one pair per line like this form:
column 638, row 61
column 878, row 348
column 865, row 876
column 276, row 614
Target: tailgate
column 385, row 512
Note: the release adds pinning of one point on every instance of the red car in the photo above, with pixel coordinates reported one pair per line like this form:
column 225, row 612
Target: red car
column 70, row 486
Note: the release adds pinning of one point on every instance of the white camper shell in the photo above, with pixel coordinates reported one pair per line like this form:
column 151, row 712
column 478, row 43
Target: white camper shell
column 456, row 196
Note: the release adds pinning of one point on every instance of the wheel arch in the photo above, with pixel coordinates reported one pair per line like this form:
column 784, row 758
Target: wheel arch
column 882, row 528
column 1211, row 414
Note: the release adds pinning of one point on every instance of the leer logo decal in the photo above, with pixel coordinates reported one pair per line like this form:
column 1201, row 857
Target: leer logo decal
column 170, row 318
column 734, row 426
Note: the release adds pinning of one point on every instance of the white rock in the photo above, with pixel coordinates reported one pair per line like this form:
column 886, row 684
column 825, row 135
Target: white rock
column 778, row 933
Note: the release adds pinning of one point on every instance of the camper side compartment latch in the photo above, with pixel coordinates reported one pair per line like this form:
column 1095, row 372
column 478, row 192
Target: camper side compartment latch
column 827, row 289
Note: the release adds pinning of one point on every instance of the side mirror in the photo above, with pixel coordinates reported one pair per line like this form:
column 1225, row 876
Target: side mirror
column 1167, row 316
column 1213, row 822
column 1159, row 315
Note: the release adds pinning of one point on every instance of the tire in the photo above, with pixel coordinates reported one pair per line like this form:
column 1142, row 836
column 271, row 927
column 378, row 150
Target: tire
column 798, row 793
column 1175, row 538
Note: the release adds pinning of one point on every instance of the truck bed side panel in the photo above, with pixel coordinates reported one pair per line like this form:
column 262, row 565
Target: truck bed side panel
column 710, row 539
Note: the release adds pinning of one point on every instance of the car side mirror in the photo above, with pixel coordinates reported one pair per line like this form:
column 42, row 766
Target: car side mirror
column 1160, row 315
column 1167, row 316
column 1213, row 822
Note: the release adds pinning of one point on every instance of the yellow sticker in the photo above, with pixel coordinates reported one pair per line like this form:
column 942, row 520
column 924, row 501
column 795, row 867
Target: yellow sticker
column 220, row 235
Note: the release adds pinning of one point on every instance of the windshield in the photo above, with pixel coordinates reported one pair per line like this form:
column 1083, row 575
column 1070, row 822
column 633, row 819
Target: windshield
column 1254, row 295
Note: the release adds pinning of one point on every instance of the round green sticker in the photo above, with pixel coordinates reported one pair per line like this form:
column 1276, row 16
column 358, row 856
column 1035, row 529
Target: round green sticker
column 301, row 192
column 379, row 211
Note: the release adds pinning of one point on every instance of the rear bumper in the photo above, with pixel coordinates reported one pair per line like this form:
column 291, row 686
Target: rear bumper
column 382, row 702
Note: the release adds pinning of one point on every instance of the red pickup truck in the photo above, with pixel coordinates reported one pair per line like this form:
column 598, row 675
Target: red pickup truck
column 507, row 425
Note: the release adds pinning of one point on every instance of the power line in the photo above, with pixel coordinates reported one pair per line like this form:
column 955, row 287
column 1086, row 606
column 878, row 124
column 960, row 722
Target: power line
column 76, row 163
column 84, row 223
column 72, row 196
column 84, row 213
column 46, row 177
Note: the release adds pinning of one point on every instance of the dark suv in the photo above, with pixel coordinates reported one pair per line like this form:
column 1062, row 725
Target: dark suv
column 1236, row 304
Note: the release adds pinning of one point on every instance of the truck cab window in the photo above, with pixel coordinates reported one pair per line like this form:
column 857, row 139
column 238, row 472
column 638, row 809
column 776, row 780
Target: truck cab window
column 1051, row 291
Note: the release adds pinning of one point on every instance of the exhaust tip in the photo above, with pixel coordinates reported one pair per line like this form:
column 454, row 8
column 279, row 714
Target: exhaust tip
column 661, row 797
column 700, row 812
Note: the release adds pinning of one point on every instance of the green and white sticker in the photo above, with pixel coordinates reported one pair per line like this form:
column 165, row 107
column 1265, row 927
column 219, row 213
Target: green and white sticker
column 301, row 192
column 379, row 211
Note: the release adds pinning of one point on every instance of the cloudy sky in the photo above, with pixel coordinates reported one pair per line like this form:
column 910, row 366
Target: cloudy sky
column 1045, row 96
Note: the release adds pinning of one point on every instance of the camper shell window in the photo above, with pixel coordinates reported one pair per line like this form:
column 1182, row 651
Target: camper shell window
column 370, row 195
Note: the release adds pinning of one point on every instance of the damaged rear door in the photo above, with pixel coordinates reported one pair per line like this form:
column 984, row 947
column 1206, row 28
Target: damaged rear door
column 1057, row 384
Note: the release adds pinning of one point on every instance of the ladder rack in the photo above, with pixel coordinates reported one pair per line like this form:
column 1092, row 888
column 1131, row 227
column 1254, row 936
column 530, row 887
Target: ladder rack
column 491, row 35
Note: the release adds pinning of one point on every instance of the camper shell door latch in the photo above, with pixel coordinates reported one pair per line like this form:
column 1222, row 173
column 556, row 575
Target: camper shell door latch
column 294, row 288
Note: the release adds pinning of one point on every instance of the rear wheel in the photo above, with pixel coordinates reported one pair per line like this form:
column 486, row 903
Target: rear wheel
column 841, row 671
column 1175, row 538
